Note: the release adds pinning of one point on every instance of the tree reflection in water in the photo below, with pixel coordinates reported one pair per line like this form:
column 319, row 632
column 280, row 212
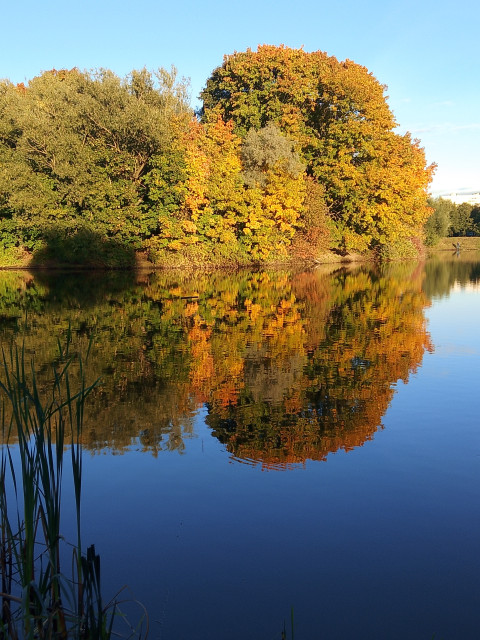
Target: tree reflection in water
column 290, row 366
column 358, row 333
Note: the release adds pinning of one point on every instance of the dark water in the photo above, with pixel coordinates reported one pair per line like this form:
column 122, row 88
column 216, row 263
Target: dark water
column 262, row 441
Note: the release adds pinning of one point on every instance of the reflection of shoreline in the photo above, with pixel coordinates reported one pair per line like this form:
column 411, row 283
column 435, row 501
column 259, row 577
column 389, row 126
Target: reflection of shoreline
column 442, row 275
column 467, row 287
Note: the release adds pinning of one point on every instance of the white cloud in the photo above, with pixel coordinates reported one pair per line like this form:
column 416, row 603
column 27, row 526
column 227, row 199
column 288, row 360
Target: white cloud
column 444, row 103
column 446, row 127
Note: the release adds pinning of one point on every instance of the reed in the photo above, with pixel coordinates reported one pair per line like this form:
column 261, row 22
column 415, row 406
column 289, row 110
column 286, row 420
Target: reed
column 40, row 427
column 292, row 630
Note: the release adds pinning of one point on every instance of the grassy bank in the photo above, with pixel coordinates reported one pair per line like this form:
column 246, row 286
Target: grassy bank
column 449, row 244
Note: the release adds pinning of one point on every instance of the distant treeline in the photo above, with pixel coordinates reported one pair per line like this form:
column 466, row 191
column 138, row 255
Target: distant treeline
column 450, row 219
column 292, row 154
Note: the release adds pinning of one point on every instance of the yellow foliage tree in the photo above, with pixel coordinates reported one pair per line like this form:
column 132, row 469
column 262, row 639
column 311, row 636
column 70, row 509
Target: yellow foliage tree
column 375, row 180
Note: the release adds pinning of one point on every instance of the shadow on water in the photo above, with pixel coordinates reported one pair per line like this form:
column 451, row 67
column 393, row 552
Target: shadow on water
column 83, row 289
column 82, row 247
column 79, row 268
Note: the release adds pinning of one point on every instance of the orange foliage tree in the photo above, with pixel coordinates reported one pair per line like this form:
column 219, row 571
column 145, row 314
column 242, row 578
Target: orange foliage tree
column 375, row 180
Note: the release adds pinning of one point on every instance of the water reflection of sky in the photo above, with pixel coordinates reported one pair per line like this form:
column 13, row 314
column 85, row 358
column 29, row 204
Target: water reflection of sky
column 377, row 542
column 380, row 542
column 453, row 321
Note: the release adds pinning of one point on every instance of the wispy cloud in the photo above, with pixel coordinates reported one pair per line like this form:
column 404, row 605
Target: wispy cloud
column 444, row 103
column 446, row 127
column 449, row 188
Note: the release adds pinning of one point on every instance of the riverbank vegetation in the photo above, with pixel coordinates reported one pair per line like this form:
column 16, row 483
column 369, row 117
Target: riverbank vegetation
column 293, row 154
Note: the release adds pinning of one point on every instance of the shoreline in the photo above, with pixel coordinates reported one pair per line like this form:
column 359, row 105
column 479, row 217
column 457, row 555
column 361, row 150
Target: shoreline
column 141, row 263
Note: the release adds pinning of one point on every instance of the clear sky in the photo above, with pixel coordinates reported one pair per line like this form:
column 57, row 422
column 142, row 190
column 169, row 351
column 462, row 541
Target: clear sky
column 426, row 51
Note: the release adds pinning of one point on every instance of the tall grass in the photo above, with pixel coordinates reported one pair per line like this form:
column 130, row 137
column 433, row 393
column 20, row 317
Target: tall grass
column 40, row 428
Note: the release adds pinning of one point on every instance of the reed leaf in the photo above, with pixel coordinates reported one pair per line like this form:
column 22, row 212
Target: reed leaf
column 38, row 600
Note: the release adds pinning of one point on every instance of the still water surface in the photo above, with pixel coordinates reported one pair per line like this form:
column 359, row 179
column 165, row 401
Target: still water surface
column 269, row 440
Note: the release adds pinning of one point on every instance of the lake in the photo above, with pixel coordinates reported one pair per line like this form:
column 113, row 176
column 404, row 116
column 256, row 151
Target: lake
column 262, row 441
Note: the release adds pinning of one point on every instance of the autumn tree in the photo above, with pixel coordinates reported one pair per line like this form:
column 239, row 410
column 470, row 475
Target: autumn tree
column 241, row 199
column 314, row 233
column 273, row 175
column 375, row 180
column 204, row 226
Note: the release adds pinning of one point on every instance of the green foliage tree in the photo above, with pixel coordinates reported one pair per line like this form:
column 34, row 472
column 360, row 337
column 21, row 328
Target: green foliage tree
column 475, row 216
column 461, row 222
column 76, row 149
column 265, row 150
column 438, row 223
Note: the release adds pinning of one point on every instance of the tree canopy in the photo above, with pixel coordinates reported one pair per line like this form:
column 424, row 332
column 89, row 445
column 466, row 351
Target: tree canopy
column 450, row 219
column 76, row 149
column 293, row 153
column 375, row 180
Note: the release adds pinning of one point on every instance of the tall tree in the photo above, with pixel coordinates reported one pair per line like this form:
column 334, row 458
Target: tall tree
column 375, row 180
column 76, row 148
column 461, row 222
column 438, row 223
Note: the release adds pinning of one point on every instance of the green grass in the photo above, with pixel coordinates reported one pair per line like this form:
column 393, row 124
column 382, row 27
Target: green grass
column 448, row 244
column 39, row 600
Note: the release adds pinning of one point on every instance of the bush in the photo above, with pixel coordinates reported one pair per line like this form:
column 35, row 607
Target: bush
column 403, row 249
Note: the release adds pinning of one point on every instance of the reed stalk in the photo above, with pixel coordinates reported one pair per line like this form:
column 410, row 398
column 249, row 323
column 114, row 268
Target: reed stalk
column 38, row 600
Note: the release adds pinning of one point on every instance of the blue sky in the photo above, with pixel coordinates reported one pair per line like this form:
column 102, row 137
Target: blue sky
column 426, row 51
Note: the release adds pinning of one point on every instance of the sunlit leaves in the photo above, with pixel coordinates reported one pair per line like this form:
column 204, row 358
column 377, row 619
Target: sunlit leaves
column 295, row 153
column 374, row 179
column 78, row 149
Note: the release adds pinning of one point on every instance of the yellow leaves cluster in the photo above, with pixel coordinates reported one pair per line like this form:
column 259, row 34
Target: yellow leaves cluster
column 219, row 211
column 375, row 180
column 213, row 181
column 272, row 215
